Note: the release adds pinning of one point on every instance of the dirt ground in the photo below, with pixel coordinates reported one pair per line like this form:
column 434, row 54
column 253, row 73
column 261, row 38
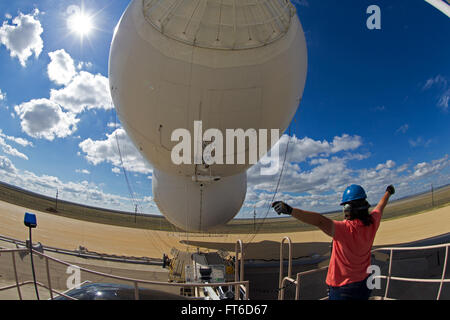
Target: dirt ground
column 67, row 233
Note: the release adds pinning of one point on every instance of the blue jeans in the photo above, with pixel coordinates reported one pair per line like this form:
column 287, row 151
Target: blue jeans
column 351, row 291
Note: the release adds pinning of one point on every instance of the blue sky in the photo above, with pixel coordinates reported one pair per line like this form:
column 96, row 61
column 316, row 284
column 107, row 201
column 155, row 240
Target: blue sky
column 375, row 109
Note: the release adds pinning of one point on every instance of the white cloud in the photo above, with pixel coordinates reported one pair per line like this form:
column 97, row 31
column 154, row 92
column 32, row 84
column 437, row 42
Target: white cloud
column 84, row 65
column 6, row 148
column 440, row 82
column 437, row 80
column 79, row 192
column 85, row 91
column 56, row 117
column 403, row 128
column 116, row 170
column 419, row 142
column 320, row 189
column 346, row 142
column 7, row 166
column 389, row 164
column 113, row 125
column 402, row 168
column 21, row 141
column 379, row 109
column 23, row 37
column 83, row 171
column 45, row 119
column 326, row 176
column 328, row 173
column 317, row 181
column 2, row 95
column 106, row 151
column 425, row 169
column 302, row 149
column 444, row 100
column 61, row 68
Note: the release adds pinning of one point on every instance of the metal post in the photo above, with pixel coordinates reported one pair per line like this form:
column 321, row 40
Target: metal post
column 281, row 272
column 48, row 278
column 136, row 291
column 297, row 289
column 32, row 267
column 15, row 274
column 281, row 264
column 239, row 262
column 443, row 273
column 281, row 292
column 389, row 274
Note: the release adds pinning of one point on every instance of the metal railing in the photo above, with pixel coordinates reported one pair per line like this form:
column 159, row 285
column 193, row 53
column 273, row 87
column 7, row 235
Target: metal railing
column 388, row 277
column 282, row 280
column 18, row 284
column 238, row 284
column 90, row 254
column 239, row 261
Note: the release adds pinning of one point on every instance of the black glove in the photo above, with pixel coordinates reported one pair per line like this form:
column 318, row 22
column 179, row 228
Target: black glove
column 390, row 189
column 282, row 208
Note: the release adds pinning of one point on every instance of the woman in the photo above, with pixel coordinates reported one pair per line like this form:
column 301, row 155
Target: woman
column 352, row 241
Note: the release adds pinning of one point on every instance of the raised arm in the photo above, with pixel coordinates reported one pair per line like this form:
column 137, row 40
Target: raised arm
column 316, row 219
column 312, row 218
column 384, row 200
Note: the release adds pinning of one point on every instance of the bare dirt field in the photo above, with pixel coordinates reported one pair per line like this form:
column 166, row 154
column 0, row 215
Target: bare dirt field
column 39, row 203
column 67, row 233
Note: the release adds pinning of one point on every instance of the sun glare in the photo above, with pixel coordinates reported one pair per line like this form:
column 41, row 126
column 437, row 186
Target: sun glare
column 80, row 24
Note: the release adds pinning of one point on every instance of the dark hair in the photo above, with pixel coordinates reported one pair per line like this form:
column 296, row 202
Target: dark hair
column 360, row 210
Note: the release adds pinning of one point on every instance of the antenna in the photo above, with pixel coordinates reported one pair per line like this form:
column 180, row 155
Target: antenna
column 56, row 200
column 254, row 218
column 432, row 196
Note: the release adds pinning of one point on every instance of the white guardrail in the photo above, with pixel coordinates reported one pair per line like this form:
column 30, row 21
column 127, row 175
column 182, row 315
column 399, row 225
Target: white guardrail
column 238, row 283
column 389, row 276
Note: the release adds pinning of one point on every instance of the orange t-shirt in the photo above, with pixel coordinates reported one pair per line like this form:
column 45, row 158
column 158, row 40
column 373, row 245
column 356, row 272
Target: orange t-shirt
column 352, row 245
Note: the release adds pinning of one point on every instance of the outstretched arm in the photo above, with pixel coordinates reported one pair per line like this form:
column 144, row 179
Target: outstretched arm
column 384, row 200
column 315, row 219
column 312, row 218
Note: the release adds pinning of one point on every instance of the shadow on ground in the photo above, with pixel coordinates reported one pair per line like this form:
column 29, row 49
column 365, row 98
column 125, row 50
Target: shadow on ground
column 267, row 250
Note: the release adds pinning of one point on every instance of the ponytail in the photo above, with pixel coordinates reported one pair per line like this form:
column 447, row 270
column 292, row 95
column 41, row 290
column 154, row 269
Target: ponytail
column 360, row 210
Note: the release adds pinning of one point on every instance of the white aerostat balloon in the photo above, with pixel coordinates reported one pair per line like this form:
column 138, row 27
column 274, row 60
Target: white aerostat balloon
column 230, row 65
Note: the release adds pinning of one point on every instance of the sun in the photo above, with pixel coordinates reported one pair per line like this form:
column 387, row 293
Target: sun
column 81, row 24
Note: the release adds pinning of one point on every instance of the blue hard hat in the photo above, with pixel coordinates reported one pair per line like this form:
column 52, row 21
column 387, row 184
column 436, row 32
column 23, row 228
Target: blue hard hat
column 353, row 192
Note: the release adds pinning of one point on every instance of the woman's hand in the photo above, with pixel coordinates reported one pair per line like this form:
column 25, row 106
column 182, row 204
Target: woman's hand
column 282, row 208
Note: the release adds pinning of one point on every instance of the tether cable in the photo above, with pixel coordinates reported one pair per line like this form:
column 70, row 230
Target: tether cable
column 275, row 192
